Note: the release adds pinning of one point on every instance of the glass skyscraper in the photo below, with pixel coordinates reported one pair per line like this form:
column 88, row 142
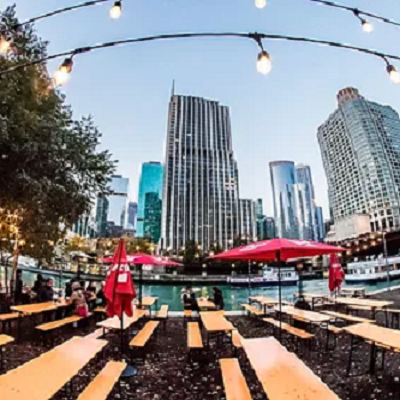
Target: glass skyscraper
column 152, row 217
column 360, row 148
column 200, row 195
column 151, row 181
column 283, row 180
column 132, row 213
column 247, row 220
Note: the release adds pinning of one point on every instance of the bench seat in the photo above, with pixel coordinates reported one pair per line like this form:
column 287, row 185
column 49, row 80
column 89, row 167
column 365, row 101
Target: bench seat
column 98, row 333
column 290, row 329
column 194, row 339
column 143, row 337
column 346, row 317
column 9, row 316
column 163, row 312
column 253, row 310
column 237, row 339
column 103, row 383
column 48, row 326
column 101, row 310
column 234, row 382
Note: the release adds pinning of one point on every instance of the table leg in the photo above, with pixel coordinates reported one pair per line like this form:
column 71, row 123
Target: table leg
column 372, row 358
column 350, row 356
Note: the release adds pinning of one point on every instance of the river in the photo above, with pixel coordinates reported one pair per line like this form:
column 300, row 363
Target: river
column 233, row 297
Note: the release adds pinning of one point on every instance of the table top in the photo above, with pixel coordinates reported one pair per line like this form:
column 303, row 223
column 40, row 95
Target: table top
column 216, row 322
column 115, row 322
column 283, row 375
column 42, row 377
column 147, row 301
column 5, row 339
column 362, row 302
column 352, row 289
column 266, row 300
column 310, row 316
column 312, row 295
column 376, row 334
column 35, row 308
column 205, row 303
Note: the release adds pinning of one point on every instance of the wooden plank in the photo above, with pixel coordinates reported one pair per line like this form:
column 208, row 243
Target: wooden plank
column 38, row 308
column 104, row 382
column 347, row 317
column 163, row 312
column 57, row 324
column 187, row 313
column 237, row 339
column 282, row 374
column 9, row 316
column 42, row 377
column 194, row 339
column 362, row 302
column 5, row 339
column 234, row 383
column 98, row 333
column 144, row 335
column 115, row 322
column 309, row 316
column 216, row 322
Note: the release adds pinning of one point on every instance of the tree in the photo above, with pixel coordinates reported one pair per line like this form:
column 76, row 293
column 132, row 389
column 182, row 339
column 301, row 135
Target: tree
column 191, row 252
column 50, row 168
column 216, row 248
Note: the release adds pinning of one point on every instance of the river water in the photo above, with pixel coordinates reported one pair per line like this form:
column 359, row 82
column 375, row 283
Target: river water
column 233, row 297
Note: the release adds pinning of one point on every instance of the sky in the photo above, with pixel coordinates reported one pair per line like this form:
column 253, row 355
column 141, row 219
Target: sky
column 274, row 117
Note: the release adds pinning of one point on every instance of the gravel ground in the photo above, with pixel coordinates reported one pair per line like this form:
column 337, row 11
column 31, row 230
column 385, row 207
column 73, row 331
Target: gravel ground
column 168, row 374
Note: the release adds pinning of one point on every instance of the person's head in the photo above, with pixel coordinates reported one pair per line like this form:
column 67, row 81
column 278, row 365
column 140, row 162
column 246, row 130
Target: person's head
column 75, row 286
column 82, row 283
column 189, row 288
column 50, row 282
column 39, row 277
column 92, row 284
column 68, row 284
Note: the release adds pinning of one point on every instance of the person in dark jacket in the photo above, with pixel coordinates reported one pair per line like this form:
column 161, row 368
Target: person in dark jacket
column 68, row 289
column 19, row 286
column 91, row 287
column 218, row 299
column 101, row 297
column 46, row 293
column 38, row 284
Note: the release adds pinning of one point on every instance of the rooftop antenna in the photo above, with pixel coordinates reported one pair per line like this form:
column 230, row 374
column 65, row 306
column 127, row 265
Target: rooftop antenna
column 173, row 88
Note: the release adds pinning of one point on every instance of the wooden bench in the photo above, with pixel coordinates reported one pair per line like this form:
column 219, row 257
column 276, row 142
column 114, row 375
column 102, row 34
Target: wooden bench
column 143, row 337
column 162, row 315
column 6, row 319
column 4, row 340
column 187, row 316
column 395, row 317
column 347, row 318
column 253, row 310
column 234, row 383
column 194, row 339
column 103, row 383
column 101, row 310
column 97, row 334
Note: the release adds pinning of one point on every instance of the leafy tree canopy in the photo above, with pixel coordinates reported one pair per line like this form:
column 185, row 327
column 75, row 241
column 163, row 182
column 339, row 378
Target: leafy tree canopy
column 50, row 167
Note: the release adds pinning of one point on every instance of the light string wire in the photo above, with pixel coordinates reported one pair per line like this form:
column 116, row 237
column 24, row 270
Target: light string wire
column 257, row 37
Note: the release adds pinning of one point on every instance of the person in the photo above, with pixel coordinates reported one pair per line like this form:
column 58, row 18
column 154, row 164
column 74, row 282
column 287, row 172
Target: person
column 91, row 287
column 19, row 285
column 189, row 299
column 78, row 300
column 101, row 297
column 68, row 289
column 46, row 292
column 218, row 298
column 38, row 284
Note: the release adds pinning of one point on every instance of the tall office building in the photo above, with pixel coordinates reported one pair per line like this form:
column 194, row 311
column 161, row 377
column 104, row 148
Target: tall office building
column 283, row 180
column 151, row 181
column 200, row 192
column 152, row 217
column 319, row 222
column 309, row 230
column 247, row 217
column 270, row 228
column 132, row 213
column 118, row 201
column 101, row 217
column 360, row 148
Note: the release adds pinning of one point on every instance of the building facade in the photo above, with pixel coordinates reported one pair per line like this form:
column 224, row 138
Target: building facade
column 132, row 213
column 152, row 217
column 360, row 148
column 101, row 216
column 200, row 191
column 319, row 223
column 270, row 228
column 247, row 218
column 283, row 180
column 151, row 181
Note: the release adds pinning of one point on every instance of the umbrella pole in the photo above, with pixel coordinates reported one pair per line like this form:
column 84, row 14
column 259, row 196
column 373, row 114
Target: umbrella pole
column 249, row 273
column 278, row 259
column 140, row 284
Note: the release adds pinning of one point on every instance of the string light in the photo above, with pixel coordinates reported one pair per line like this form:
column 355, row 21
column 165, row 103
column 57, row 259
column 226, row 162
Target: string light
column 264, row 64
column 260, row 3
column 366, row 26
column 116, row 10
column 61, row 76
column 394, row 74
column 4, row 45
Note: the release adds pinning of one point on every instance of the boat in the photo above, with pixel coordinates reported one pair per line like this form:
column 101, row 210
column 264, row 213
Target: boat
column 373, row 270
column 269, row 277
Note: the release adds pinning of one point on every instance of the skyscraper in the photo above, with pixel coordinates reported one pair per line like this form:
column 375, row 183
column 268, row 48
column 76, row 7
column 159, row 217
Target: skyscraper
column 152, row 217
column 132, row 213
column 283, row 179
column 270, row 228
column 151, row 181
column 309, row 228
column 200, row 192
column 101, row 217
column 360, row 148
column 118, row 201
column 247, row 216
column 319, row 221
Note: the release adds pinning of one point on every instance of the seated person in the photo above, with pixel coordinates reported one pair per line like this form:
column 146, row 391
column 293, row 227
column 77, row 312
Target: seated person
column 78, row 300
column 46, row 292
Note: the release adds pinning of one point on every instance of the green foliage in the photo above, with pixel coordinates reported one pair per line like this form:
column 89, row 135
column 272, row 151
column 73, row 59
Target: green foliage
column 191, row 252
column 50, row 168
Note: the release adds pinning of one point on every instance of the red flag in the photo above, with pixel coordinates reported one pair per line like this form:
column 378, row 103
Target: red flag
column 119, row 288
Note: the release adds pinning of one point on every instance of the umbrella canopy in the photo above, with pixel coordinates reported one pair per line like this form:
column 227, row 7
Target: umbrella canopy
column 336, row 273
column 119, row 289
column 141, row 258
column 268, row 250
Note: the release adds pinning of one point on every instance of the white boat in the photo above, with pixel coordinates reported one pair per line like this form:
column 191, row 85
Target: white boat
column 269, row 277
column 373, row 271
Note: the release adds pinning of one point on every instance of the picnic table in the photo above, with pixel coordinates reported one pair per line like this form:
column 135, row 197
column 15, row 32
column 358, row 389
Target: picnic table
column 314, row 297
column 42, row 377
column 147, row 302
column 215, row 323
column 353, row 291
column 282, row 374
column 376, row 336
column 205, row 304
column 311, row 317
column 265, row 301
column 373, row 305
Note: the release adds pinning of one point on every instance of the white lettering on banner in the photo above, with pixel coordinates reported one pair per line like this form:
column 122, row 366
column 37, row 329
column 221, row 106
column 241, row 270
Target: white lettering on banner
column 123, row 278
column 303, row 243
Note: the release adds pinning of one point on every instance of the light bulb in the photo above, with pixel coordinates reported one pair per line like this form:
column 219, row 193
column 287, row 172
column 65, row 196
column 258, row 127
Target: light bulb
column 367, row 26
column 116, row 10
column 393, row 74
column 60, row 77
column 4, row 46
column 264, row 64
column 261, row 3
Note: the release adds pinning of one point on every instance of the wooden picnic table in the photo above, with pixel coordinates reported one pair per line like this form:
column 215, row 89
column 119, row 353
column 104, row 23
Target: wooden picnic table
column 376, row 336
column 308, row 316
column 37, row 308
column 353, row 290
column 282, row 374
column 314, row 297
column 42, row 377
column 147, row 302
column 115, row 322
column 215, row 323
column 374, row 304
column 205, row 304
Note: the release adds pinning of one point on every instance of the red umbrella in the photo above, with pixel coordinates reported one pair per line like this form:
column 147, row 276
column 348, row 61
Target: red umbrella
column 278, row 250
column 336, row 273
column 119, row 289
